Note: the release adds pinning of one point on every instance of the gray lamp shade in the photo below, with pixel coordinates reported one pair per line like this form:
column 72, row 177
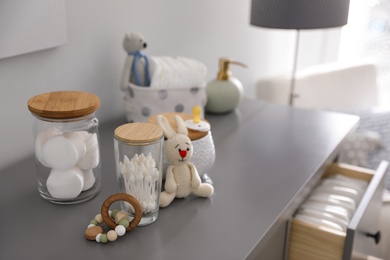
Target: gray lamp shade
column 299, row 14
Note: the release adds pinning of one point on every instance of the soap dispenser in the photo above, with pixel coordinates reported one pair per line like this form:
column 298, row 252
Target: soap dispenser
column 224, row 93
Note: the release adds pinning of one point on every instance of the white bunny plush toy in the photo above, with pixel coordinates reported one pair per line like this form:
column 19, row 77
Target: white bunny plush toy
column 182, row 178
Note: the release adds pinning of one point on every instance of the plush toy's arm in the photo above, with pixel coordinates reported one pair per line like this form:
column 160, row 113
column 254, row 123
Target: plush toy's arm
column 126, row 72
column 195, row 179
column 170, row 183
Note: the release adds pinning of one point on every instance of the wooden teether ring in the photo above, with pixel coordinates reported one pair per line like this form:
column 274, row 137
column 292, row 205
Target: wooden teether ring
column 124, row 197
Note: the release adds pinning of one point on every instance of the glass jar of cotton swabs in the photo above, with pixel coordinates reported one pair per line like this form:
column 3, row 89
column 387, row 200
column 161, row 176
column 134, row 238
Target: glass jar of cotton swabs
column 66, row 138
column 138, row 157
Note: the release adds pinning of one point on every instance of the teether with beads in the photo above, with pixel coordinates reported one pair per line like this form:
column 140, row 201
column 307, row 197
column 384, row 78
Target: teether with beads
column 117, row 220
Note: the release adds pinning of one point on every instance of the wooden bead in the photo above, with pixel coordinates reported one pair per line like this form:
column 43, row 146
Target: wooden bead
column 99, row 218
column 92, row 232
column 120, row 215
column 112, row 235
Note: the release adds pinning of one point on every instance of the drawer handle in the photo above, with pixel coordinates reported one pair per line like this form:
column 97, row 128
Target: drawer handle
column 377, row 237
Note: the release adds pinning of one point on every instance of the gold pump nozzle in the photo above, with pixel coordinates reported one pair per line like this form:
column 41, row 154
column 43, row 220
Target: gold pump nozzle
column 224, row 73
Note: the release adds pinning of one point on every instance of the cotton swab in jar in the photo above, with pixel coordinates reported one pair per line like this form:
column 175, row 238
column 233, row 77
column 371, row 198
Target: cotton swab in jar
column 131, row 180
column 152, row 180
column 140, row 176
column 147, row 188
column 122, row 169
column 138, row 183
column 126, row 160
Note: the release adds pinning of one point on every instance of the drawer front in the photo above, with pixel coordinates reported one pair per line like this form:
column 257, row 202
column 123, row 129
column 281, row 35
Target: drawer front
column 310, row 242
column 363, row 227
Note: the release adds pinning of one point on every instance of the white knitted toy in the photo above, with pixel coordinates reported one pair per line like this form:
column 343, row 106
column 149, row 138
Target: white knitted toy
column 182, row 178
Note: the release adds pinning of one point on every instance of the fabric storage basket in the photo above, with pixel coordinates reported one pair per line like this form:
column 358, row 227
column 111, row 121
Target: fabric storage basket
column 142, row 102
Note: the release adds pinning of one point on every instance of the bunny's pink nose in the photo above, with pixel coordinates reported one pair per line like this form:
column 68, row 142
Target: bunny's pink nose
column 183, row 153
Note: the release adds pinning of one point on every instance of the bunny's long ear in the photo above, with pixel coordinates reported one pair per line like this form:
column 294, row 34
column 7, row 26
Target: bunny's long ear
column 163, row 122
column 181, row 126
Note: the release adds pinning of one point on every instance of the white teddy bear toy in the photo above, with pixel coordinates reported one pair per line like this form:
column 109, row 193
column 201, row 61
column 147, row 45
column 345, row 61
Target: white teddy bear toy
column 136, row 69
column 182, row 177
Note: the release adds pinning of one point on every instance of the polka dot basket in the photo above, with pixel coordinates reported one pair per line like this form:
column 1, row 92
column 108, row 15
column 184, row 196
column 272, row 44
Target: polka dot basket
column 142, row 102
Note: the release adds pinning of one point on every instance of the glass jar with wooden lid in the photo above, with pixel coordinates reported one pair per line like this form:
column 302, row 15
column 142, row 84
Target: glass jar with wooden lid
column 66, row 137
column 138, row 155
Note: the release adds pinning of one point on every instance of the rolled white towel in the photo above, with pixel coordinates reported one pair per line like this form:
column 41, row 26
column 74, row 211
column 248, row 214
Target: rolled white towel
column 63, row 151
column 176, row 72
column 160, row 71
column 65, row 184
column 196, row 71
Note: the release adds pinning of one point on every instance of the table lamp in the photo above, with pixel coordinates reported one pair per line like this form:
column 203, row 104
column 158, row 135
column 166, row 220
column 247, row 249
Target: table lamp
column 298, row 14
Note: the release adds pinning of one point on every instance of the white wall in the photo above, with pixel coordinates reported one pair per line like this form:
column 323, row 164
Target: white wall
column 92, row 59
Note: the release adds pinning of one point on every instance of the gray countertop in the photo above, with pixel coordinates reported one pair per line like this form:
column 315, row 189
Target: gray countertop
column 266, row 157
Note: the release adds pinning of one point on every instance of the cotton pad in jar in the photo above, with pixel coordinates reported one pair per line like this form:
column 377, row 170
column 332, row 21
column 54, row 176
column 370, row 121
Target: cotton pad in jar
column 65, row 184
column 63, row 151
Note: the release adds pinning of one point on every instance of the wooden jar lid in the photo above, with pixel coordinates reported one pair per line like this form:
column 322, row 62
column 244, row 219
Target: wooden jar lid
column 138, row 133
column 63, row 104
column 192, row 134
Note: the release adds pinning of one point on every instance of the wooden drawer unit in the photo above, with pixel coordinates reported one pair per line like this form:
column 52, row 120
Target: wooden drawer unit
column 308, row 241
